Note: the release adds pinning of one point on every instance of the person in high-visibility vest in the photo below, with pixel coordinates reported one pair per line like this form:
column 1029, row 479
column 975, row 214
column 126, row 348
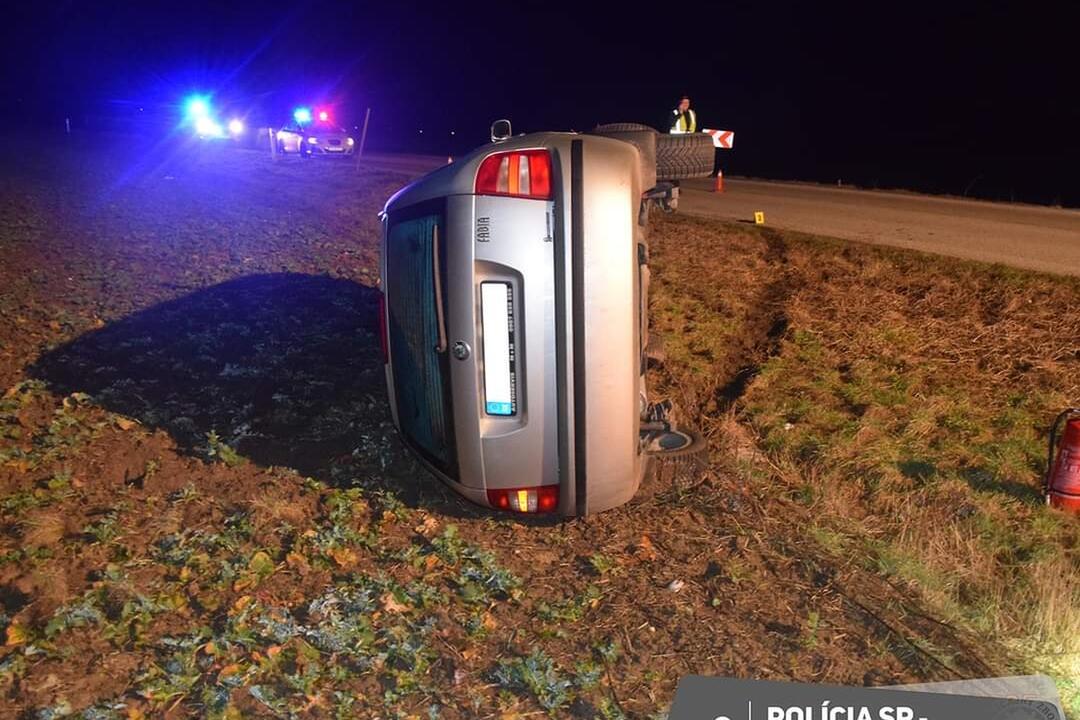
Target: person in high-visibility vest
column 683, row 119
column 680, row 121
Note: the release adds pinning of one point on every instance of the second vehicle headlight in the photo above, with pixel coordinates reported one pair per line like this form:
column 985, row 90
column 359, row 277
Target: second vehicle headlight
column 313, row 141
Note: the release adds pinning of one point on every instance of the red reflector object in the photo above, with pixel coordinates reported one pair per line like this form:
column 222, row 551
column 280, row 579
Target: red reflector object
column 527, row 500
column 384, row 341
column 518, row 173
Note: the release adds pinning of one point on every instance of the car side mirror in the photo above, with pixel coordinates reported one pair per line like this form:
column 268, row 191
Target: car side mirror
column 500, row 130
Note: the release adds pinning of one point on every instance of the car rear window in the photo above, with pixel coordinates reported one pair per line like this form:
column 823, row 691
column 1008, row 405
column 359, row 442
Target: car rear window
column 421, row 375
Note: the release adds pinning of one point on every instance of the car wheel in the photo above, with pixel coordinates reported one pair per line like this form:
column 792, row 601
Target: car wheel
column 643, row 140
column 623, row 127
column 684, row 156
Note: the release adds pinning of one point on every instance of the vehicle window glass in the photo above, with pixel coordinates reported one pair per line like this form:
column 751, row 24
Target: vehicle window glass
column 421, row 376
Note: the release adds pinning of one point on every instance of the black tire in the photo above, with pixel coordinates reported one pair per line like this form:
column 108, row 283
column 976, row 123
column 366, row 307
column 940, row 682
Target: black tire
column 622, row 127
column 644, row 141
column 679, row 157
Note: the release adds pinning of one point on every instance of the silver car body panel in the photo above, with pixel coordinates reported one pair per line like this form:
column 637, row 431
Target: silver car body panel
column 572, row 264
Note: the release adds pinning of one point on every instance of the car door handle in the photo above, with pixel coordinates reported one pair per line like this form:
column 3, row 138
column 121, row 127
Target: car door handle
column 440, row 319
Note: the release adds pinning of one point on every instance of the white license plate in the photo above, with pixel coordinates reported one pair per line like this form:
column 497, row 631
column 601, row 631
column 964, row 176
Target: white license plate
column 497, row 317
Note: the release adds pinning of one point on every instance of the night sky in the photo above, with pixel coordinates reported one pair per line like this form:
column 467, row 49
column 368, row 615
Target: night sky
column 982, row 98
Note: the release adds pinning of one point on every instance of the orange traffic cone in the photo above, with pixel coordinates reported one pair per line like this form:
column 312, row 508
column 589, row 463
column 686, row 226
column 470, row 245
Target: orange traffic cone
column 719, row 185
column 1063, row 473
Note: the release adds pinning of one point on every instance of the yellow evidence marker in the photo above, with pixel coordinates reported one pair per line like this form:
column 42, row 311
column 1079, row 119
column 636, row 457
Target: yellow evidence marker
column 759, row 217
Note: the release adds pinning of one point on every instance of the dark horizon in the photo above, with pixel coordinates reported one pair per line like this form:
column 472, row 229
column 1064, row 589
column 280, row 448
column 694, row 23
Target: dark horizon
column 975, row 99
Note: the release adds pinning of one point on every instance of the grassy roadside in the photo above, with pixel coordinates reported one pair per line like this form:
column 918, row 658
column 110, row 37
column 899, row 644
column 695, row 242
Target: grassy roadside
column 205, row 512
column 904, row 399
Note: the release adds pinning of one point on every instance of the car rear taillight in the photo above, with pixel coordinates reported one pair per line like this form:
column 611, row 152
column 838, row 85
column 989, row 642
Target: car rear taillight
column 384, row 340
column 517, row 173
column 526, row 500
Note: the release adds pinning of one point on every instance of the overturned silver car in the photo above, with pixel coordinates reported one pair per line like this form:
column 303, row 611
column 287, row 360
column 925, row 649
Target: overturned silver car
column 514, row 316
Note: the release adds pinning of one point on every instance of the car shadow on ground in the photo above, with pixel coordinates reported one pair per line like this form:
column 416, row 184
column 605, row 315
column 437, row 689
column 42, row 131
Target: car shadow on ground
column 285, row 369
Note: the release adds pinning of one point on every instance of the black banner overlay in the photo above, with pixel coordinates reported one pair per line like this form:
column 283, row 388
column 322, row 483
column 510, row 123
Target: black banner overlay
column 705, row 698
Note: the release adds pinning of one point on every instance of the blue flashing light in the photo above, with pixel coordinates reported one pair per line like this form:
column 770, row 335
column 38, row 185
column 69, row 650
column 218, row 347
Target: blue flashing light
column 302, row 115
column 197, row 106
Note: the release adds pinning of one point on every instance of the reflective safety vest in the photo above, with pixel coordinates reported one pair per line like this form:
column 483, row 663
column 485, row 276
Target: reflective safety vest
column 685, row 124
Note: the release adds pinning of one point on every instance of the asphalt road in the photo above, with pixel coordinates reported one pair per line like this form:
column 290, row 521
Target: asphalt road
column 1025, row 236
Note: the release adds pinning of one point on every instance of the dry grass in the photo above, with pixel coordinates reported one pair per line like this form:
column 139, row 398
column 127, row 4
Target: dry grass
column 274, row 510
column 907, row 401
column 44, row 529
